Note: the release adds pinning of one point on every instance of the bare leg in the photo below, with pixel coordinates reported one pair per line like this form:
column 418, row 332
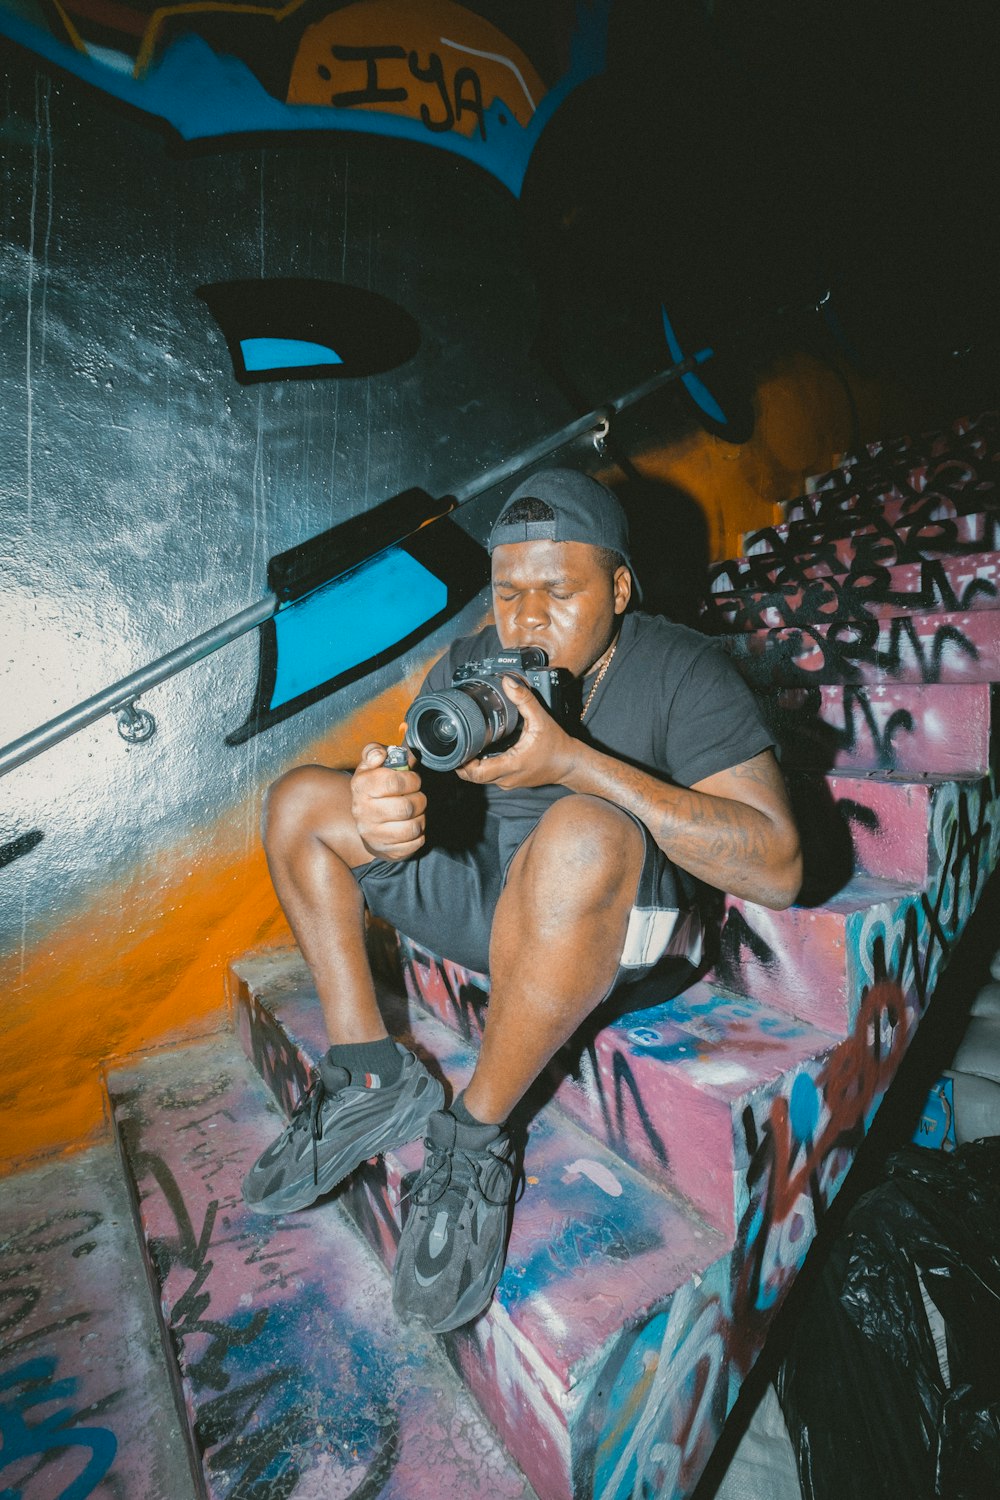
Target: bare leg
column 311, row 845
column 558, row 933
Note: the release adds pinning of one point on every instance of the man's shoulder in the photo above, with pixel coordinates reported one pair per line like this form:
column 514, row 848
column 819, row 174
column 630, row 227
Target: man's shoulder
column 674, row 646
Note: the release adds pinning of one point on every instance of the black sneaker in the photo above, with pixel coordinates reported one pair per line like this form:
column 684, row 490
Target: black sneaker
column 335, row 1127
column 454, row 1242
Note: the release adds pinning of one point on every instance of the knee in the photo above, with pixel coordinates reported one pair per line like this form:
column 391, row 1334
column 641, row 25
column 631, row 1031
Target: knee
column 299, row 803
column 587, row 849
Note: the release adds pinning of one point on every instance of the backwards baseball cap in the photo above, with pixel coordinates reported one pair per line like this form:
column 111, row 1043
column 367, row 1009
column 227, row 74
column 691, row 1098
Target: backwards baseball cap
column 567, row 507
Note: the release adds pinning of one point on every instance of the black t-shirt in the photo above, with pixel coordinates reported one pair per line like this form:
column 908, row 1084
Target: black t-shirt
column 671, row 702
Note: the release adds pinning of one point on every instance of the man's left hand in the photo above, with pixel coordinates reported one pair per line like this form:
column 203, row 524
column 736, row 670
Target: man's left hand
column 543, row 754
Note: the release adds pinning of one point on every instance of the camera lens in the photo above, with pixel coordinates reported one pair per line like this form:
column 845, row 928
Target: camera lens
column 443, row 729
column 454, row 726
column 438, row 733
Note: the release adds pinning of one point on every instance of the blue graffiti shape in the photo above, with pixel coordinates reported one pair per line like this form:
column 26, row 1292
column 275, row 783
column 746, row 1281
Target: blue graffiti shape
column 803, row 1107
column 324, row 637
column 352, row 619
column 31, row 1385
column 286, row 354
column 696, row 389
column 307, row 328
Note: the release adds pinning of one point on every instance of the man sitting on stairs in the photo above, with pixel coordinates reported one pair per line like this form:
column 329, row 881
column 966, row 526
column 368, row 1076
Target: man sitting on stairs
column 580, row 875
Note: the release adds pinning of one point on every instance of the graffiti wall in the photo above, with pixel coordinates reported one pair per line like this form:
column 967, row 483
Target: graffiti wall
column 266, row 272
column 145, row 489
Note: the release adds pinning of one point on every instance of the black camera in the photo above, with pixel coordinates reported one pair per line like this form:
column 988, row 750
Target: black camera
column 474, row 716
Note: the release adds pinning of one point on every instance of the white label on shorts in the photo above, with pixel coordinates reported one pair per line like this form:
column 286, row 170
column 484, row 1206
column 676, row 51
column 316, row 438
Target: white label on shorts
column 654, row 932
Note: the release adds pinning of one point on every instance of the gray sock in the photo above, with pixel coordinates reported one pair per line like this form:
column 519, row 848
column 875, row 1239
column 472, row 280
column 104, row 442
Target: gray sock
column 370, row 1064
column 463, row 1115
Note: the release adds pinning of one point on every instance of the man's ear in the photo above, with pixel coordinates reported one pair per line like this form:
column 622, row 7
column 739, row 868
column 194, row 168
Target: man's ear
column 622, row 582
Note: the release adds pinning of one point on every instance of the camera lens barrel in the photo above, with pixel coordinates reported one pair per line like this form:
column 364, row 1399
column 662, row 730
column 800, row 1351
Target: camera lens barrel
column 454, row 726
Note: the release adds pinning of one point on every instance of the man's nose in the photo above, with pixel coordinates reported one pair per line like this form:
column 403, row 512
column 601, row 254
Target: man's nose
column 533, row 610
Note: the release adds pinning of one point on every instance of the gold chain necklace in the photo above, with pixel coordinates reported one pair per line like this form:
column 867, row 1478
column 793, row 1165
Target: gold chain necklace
column 597, row 681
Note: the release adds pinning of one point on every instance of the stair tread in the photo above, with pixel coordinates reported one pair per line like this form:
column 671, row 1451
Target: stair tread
column 881, row 777
column 79, row 1316
column 726, row 1044
column 914, row 450
column 288, row 1350
column 605, row 1208
column 858, row 893
column 812, row 550
column 955, row 583
column 712, row 1014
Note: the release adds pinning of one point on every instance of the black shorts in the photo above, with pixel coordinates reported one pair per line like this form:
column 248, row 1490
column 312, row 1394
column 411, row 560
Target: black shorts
column 444, row 899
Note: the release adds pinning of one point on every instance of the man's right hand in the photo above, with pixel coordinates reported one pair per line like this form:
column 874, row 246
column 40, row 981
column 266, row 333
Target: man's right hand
column 387, row 805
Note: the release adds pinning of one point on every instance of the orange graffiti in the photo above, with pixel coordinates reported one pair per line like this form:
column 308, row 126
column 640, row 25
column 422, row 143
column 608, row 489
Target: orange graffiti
column 142, row 964
column 434, row 62
column 803, row 426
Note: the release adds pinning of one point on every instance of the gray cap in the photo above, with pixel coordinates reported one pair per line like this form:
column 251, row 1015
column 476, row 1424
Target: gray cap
column 581, row 510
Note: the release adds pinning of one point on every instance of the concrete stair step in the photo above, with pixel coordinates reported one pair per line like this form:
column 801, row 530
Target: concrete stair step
column 87, row 1406
column 843, row 546
column 951, row 488
column 812, row 961
column 892, row 824
column 948, row 460
column 594, row 1251
column 296, row 1377
column 952, row 647
column 940, row 517
column 942, row 728
column 780, row 555
column 826, row 960
column 940, row 584
column 663, row 1085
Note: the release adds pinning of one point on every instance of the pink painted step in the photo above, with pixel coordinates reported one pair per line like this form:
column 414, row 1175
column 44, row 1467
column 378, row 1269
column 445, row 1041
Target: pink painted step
column 819, row 962
column 782, row 555
column 594, row 1250
column 895, row 822
column 879, row 510
column 960, row 648
column 661, row 1085
column 296, row 1377
column 87, row 1408
column 668, row 1084
column 966, row 451
column 949, row 584
column 813, row 962
column 950, row 489
column 908, row 727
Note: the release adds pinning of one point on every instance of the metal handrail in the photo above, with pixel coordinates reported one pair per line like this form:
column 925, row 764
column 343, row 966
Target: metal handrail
column 120, row 697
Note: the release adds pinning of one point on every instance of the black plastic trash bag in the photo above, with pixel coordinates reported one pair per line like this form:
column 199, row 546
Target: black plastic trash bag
column 891, row 1385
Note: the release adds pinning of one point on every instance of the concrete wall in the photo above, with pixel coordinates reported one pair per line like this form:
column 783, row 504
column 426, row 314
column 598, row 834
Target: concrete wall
column 143, row 490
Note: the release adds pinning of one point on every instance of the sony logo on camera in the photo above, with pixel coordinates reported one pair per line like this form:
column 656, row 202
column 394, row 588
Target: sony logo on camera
column 474, row 716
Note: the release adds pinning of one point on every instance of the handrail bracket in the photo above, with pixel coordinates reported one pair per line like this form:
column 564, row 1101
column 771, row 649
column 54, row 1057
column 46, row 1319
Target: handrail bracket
column 136, row 725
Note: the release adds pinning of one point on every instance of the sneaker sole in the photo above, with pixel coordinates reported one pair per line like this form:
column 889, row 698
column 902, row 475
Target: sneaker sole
column 304, row 1191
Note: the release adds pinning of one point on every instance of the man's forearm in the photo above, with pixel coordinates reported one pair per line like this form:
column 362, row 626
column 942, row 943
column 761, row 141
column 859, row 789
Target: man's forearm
column 723, row 841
